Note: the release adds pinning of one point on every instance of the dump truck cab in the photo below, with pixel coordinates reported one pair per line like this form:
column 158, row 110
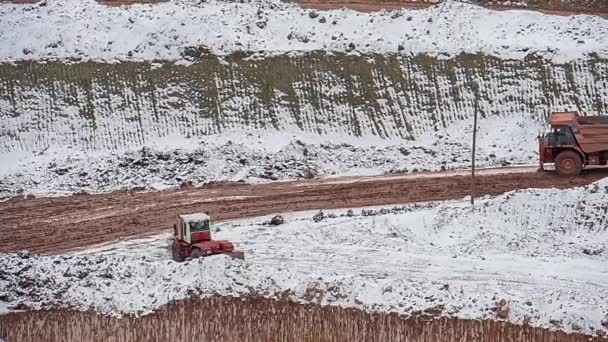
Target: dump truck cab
column 192, row 239
column 573, row 142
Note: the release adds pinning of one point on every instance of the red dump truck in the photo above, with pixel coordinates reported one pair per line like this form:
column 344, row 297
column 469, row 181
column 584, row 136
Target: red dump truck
column 573, row 142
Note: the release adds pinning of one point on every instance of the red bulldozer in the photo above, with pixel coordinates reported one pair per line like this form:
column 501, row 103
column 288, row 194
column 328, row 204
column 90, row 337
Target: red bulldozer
column 192, row 239
column 574, row 142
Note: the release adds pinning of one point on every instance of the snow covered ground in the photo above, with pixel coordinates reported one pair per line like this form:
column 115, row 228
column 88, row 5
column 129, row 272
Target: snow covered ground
column 269, row 156
column 86, row 30
column 541, row 251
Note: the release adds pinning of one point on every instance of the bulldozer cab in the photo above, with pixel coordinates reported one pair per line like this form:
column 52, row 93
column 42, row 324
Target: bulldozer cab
column 188, row 225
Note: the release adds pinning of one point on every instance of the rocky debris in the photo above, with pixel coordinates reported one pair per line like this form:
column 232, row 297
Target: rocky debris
column 261, row 24
column 318, row 217
column 303, row 38
column 25, row 254
column 397, row 210
column 435, row 311
column 502, row 309
column 186, row 185
column 605, row 322
column 593, row 252
column 147, row 168
column 40, row 282
column 277, row 220
column 556, row 323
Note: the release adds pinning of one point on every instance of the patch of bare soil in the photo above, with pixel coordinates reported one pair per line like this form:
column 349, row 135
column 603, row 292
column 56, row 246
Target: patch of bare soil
column 47, row 225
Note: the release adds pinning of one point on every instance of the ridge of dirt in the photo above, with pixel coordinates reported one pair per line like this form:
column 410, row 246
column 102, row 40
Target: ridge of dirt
column 47, row 225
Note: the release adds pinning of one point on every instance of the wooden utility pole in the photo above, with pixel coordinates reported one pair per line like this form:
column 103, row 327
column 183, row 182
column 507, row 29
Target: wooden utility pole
column 475, row 110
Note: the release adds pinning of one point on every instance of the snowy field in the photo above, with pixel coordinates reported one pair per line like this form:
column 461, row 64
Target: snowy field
column 265, row 157
column 541, row 251
column 86, row 30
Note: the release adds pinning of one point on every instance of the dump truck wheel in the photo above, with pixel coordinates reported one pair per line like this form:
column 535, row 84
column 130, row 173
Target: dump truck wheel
column 568, row 163
column 196, row 253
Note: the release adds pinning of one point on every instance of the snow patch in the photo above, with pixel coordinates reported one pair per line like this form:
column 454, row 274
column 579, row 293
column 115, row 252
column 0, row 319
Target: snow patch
column 185, row 30
column 274, row 156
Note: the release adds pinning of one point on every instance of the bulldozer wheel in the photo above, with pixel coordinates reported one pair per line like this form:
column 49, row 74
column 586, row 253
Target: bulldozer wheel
column 568, row 163
column 175, row 254
column 196, row 253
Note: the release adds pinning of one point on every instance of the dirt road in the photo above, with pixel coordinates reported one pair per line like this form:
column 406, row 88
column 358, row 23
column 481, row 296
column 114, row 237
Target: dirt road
column 370, row 6
column 47, row 225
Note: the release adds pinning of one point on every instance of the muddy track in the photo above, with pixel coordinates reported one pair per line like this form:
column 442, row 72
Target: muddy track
column 371, row 6
column 47, row 225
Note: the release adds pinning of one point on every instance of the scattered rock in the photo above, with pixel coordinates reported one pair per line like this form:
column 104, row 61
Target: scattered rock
column 318, row 216
column 24, row 254
column 593, row 252
column 527, row 320
column 24, row 269
column 61, row 171
column 434, row 310
column 350, row 213
column 5, row 297
column 277, row 220
column 107, row 274
column 556, row 322
column 186, row 185
column 261, row 24
column 313, row 14
column 502, row 309
column 82, row 274
column 322, row 20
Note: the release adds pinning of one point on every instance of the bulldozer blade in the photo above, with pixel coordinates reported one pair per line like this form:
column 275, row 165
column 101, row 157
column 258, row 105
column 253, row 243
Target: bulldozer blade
column 237, row 255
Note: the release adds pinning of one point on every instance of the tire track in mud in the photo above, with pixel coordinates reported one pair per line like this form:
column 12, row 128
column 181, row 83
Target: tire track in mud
column 55, row 224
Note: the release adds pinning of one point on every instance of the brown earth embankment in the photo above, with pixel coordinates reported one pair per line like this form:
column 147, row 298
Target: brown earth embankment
column 245, row 320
